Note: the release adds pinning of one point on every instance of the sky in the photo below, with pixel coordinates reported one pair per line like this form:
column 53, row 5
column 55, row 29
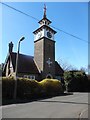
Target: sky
column 71, row 17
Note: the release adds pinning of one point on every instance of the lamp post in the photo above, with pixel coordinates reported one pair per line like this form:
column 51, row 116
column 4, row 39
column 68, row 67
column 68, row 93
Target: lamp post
column 16, row 67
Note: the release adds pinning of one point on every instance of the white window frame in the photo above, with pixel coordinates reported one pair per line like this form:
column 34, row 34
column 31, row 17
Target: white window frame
column 32, row 77
column 26, row 76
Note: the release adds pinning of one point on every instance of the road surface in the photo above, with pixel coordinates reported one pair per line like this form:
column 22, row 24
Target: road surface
column 69, row 106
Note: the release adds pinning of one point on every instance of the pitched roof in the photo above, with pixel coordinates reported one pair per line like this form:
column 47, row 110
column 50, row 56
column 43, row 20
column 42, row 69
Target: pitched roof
column 44, row 26
column 45, row 19
column 58, row 69
column 26, row 63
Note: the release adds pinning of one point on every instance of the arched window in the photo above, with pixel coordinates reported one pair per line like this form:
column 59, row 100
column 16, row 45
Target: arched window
column 49, row 76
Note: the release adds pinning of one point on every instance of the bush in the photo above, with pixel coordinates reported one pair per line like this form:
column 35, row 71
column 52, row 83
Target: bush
column 7, row 87
column 77, row 81
column 51, row 86
column 27, row 88
column 88, row 82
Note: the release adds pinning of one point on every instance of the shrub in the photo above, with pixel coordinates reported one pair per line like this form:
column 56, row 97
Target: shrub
column 7, row 87
column 51, row 86
column 77, row 81
column 27, row 88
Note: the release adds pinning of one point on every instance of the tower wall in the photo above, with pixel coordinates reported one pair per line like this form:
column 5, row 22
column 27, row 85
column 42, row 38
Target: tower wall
column 43, row 50
column 44, row 47
column 38, row 53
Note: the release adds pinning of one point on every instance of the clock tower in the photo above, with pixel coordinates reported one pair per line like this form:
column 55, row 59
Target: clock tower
column 44, row 48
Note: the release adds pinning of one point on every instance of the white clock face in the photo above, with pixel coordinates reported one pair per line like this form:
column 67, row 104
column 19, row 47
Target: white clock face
column 49, row 35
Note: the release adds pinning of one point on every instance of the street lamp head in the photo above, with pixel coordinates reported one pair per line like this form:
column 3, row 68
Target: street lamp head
column 21, row 39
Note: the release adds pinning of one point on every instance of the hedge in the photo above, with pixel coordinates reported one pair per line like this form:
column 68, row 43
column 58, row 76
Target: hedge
column 27, row 88
column 7, row 87
column 51, row 86
column 77, row 81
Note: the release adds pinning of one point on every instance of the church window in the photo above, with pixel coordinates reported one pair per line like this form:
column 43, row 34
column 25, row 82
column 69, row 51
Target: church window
column 49, row 76
column 32, row 77
column 25, row 76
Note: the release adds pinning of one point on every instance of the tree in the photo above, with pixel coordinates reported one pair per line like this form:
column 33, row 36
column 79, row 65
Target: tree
column 1, row 66
column 66, row 66
column 77, row 81
column 84, row 69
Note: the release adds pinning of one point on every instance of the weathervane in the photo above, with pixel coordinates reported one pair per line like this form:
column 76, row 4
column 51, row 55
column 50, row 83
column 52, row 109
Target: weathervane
column 49, row 62
column 45, row 10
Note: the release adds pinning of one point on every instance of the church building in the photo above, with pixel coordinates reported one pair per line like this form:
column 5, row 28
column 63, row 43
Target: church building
column 42, row 65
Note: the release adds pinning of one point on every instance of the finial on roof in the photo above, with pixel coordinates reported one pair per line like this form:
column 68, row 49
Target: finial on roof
column 10, row 47
column 44, row 11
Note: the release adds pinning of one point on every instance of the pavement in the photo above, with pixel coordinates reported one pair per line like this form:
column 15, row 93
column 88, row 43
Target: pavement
column 68, row 106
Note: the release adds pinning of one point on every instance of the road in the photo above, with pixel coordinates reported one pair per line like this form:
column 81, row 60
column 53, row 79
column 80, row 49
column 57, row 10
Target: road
column 69, row 106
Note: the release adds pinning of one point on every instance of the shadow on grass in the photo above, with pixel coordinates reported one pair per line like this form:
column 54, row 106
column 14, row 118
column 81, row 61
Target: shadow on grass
column 26, row 100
